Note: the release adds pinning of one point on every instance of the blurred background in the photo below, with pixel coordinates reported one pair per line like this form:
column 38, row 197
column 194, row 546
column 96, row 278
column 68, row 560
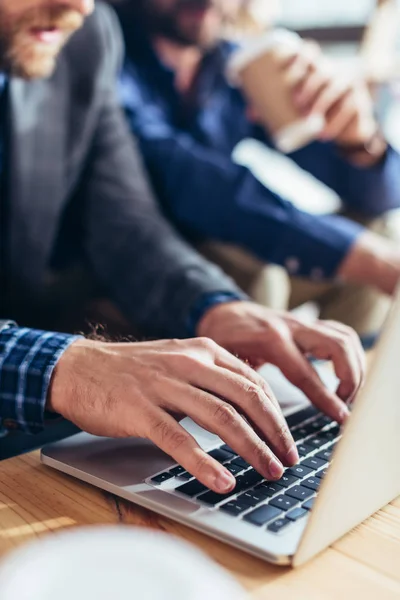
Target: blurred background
column 362, row 36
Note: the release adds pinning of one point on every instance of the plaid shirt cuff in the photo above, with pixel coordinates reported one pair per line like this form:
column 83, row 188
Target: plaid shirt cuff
column 27, row 360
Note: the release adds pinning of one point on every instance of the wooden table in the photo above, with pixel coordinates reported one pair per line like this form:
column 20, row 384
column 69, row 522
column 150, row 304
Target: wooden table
column 35, row 500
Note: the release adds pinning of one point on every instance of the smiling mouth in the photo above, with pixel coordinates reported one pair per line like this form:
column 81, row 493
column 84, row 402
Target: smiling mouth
column 50, row 36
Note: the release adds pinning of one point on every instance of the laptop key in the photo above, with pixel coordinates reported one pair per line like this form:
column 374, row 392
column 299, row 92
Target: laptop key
column 287, row 480
column 296, row 514
column 241, row 462
column 304, row 449
column 177, row 471
column 220, row 455
column 309, row 504
column 262, row 515
column 278, row 525
column 316, row 442
column 250, row 499
column 227, row 448
column 161, row 477
column 300, row 434
column 234, row 508
column 192, row 488
column 250, row 478
column 327, row 436
column 314, row 463
column 321, row 474
column 299, row 471
column 185, row 475
column 232, row 468
column 283, row 502
column 269, row 488
column 301, row 416
column 299, row 492
column 313, row 483
column 212, row 498
column 325, row 454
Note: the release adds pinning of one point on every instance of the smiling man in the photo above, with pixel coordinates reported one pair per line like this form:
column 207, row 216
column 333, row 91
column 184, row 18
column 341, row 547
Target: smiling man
column 188, row 120
column 75, row 200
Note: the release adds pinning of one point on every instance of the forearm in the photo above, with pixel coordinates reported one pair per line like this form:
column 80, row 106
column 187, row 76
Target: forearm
column 27, row 360
column 225, row 202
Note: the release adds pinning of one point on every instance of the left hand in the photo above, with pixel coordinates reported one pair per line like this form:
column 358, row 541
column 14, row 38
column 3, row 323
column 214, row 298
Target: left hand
column 320, row 87
column 260, row 335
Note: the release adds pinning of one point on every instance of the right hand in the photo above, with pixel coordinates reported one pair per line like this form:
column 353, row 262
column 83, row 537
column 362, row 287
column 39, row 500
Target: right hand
column 142, row 389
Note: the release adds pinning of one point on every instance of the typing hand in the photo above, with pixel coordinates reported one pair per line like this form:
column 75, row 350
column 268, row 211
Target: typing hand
column 141, row 390
column 260, row 336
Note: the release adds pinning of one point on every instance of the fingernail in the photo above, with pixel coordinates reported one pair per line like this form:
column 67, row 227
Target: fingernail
column 293, row 456
column 344, row 415
column 275, row 469
column 224, row 482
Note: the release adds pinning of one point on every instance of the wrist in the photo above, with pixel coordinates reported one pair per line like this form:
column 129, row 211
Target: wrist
column 208, row 323
column 63, row 378
column 364, row 152
column 205, row 304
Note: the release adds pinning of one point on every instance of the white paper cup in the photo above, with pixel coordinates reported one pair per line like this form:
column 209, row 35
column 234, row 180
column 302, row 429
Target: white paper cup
column 118, row 563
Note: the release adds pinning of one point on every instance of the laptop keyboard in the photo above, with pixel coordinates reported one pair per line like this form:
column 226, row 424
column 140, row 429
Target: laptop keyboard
column 274, row 505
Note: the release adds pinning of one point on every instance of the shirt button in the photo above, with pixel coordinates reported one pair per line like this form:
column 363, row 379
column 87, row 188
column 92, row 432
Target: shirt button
column 317, row 274
column 292, row 265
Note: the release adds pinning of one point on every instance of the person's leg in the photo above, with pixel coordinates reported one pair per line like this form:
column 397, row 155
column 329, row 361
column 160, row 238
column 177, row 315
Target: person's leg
column 360, row 307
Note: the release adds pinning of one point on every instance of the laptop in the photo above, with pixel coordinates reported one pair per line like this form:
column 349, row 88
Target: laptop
column 343, row 477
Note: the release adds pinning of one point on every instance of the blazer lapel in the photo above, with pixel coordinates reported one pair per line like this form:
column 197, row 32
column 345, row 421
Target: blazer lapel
column 37, row 174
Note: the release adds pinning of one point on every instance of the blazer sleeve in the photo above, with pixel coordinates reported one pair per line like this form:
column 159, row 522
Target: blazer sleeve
column 152, row 274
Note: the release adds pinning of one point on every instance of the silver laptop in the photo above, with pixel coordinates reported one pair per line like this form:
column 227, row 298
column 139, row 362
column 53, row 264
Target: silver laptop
column 343, row 477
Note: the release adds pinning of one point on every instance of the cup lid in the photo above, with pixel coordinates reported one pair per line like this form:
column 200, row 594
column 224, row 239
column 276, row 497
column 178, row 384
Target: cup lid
column 113, row 562
column 255, row 48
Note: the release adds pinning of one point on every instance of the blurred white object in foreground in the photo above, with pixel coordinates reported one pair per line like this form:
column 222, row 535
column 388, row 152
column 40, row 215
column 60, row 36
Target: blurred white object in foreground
column 113, row 562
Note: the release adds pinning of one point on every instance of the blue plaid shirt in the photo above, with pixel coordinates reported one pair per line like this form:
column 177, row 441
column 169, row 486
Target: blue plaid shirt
column 27, row 361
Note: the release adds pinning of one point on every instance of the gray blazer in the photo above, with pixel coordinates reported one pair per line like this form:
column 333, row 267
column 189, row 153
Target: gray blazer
column 71, row 153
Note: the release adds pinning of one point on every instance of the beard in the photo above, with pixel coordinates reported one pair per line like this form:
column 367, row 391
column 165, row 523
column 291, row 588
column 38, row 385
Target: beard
column 24, row 56
column 177, row 25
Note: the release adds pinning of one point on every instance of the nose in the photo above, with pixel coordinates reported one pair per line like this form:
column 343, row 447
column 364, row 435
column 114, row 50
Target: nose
column 84, row 7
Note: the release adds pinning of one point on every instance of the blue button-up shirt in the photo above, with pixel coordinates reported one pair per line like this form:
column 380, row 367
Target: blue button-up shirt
column 27, row 357
column 188, row 146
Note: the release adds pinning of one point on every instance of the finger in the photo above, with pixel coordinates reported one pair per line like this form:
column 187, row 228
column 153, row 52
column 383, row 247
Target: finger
column 298, row 73
column 328, row 98
column 266, row 418
column 356, row 356
column 228, row 361
column 306, row 94
column 249, row 398
column 340, row 117
column 300, row 372
column 330, row 344
column 175, row 441
column 223, row 419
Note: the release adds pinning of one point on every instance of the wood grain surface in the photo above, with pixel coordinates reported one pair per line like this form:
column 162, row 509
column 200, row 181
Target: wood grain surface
column 36, row 500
